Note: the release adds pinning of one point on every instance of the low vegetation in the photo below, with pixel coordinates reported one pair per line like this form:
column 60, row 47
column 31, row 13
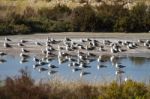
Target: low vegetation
column 20, row 17
column 24, row 87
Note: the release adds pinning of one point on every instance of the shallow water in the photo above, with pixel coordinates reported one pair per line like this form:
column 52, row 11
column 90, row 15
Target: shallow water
column 137, row 68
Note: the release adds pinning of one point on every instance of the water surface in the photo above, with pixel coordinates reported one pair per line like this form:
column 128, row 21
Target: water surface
column 137, row 68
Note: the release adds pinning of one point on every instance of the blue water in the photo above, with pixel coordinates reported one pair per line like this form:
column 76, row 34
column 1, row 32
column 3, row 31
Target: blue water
column 137, row 68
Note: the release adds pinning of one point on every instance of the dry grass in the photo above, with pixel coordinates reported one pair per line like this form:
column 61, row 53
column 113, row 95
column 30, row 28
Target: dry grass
column 24, row 87
column 19, row 6
column 37, row 4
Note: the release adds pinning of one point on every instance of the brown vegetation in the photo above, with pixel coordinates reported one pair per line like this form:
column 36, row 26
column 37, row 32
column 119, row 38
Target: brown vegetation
column 22, row 17
column 24, row 87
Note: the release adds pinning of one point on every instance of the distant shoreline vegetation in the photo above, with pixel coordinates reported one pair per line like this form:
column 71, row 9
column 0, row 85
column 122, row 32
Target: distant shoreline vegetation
column 103, row 18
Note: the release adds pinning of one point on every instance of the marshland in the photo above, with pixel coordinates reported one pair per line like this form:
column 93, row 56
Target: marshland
column 77, row 49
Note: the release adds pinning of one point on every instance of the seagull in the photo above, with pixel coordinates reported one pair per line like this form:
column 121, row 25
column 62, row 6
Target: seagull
column 38, row 44
column 101, row 48
column 35, row 59
column 112, row 50
column 67, row 39
column 6, row 45
column 23, row 55
column 23, row 41
column 20, row 44
column 7, row 39
column 24, row 50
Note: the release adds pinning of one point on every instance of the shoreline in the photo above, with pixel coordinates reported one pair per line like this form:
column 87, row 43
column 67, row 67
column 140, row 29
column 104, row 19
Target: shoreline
column 76, row 36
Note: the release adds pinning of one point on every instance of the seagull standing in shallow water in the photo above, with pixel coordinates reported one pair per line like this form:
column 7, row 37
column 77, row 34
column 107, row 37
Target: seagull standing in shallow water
column 6, row 45
column 7, row 39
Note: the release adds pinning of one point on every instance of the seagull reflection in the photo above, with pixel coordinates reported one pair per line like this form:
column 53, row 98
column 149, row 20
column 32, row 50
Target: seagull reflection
column 52, row 66
column 101, row 66
column 76, row 69
column 24, row 55
column 2, row 54
column 83, row 73
column 42, row 69
column 23, row 60
column 119, row 66
column 119, row 72
column 36, row 65
column 51, row 72
column 2, row 61
column 83, row 65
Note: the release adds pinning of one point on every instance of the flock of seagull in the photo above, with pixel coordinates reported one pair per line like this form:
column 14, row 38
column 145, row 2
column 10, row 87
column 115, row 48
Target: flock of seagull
column 78, row 54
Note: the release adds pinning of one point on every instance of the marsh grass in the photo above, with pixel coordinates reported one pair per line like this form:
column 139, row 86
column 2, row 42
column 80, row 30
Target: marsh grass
column 24, row 87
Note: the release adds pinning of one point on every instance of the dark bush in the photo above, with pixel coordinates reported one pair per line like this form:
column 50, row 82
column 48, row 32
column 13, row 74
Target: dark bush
column 12, row 29
column 110, row 16
column 104, row 18
column 138, row 21
column 121, row 24
column 83, row 19
column 22, row 87
column 59, row 12
column 37, row 25
column 60, row 26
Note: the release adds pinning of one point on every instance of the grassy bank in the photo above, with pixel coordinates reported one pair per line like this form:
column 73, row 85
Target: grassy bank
column 31, row 16
column 24, row 87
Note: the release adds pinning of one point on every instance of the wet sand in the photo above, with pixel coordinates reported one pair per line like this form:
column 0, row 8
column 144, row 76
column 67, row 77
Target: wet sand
column 141, row 51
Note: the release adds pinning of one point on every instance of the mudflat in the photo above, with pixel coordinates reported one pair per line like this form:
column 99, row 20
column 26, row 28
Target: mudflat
column 76, row 36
